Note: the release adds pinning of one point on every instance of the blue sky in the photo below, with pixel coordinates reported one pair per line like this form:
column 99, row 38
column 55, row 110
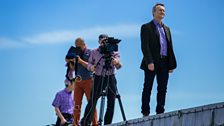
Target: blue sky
column 35, row 36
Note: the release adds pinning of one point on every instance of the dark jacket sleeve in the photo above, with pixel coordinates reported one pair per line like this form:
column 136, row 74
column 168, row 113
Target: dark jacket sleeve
column 147, row 55
column 171, row 57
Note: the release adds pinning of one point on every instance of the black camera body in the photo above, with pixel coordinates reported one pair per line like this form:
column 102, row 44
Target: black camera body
column 110, row 44
column 74, row 52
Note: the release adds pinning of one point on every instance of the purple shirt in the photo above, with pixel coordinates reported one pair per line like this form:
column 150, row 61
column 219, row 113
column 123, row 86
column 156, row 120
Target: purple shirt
column 64, row 101
column 96, row 58
column 162, row 37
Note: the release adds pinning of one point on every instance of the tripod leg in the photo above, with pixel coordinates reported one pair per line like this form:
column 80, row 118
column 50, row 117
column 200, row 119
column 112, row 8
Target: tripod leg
column 121, row 106
column 102, row 104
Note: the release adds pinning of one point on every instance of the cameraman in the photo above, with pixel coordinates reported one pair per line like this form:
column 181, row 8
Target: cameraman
column 84, row 80
column 97, row 64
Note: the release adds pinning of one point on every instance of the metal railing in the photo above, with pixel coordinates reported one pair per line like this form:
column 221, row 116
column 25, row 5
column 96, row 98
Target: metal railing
column 208, row 115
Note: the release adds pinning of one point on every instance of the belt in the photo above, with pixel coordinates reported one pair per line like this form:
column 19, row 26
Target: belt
column 67, row 115
column 163, row 57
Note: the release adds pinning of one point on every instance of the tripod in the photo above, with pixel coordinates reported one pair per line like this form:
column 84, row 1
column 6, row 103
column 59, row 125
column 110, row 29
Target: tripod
column 104, row 92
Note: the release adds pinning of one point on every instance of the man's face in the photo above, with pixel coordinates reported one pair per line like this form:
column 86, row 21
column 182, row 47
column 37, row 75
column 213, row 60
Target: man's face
column 80, row 44
column 159, row 12
column 101, row 41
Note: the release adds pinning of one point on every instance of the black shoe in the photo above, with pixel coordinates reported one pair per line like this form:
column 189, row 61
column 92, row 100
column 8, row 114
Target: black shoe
column 160, row 109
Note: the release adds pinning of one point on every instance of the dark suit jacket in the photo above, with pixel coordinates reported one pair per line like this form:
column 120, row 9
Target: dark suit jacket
column 150, row 45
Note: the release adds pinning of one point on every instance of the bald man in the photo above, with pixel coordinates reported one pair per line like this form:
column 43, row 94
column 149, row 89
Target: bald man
column 84, row 81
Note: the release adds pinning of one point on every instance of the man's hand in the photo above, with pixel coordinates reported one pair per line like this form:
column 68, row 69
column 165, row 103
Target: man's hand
column 70, row 60
column 63, row 121
column 82, row 62
column 93, row 68
column 151, row 67
column 170, row 71
column 115, row 62
column 79, row 59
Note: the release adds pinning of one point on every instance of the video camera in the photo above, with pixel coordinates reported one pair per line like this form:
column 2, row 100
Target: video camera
column 73, row 52
column 110, row 44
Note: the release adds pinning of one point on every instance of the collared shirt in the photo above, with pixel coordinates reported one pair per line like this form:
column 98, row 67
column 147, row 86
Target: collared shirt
column 162, row 37
column 98, row 59
column 82, row 71
column 64, row 101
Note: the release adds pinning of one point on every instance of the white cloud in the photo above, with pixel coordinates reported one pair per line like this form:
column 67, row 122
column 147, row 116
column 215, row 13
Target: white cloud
column 61, row 36
column 9, row 43
column 123, row 30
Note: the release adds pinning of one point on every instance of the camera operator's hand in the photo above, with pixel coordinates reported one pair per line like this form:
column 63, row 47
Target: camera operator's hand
column 82, row 62
column 102, row 41
column 70, row 60
column 115, row 61
column 93, row 68
column 79, row 59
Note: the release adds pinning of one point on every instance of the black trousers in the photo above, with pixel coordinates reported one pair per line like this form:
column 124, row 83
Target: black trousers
column 68, row 117
column 162, row 74
column 100, row 83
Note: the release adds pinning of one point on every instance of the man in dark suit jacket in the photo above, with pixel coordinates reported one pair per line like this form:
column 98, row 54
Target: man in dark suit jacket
column 158, row 58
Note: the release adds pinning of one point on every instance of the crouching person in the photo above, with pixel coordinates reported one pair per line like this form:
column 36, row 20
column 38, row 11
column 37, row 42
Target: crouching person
column 64, row 104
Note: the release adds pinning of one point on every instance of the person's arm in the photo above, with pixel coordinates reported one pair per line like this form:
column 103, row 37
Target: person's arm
column 116, row 60
column 145, row 44
column 145, row 47
column 82, row 62
column 90, row 65
column 58, row 112
column 173, row 63
column 56, row 103
column 69, row 60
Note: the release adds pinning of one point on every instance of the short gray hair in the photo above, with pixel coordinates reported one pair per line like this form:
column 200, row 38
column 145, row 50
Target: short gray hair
column 154, row 7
